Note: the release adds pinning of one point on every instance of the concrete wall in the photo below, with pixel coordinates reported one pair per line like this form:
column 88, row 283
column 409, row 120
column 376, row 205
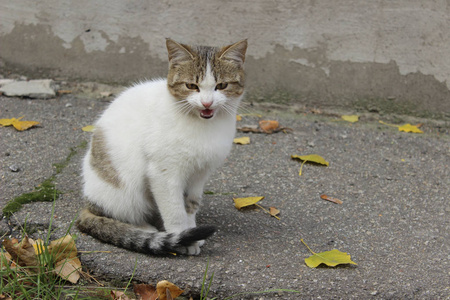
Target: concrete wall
column 346, row 52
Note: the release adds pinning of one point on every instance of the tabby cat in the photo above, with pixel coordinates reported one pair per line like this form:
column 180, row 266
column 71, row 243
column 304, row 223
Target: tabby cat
column 154, row 148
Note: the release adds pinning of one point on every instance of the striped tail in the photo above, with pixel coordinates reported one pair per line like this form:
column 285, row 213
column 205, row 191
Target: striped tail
column 127, row 236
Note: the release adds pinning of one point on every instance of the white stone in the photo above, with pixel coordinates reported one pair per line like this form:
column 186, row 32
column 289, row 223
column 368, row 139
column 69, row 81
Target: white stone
column 40, row 89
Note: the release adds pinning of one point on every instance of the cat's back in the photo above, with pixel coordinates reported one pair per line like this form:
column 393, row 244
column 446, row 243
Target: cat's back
column 132, row 104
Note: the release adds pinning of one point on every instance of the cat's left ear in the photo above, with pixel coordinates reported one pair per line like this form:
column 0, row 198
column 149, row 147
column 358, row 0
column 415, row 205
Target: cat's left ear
column 235, row 52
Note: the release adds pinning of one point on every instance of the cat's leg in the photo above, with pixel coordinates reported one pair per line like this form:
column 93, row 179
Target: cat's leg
column 168, row 193
column 193, row 198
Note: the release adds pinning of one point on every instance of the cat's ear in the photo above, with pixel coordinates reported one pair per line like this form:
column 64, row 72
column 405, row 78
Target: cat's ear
column 235, row 52
column 178, row 52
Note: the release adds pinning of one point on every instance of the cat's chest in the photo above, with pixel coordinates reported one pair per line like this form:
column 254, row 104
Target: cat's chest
column 187, row 143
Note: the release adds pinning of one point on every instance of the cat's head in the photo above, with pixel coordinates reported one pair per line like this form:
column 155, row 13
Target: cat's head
column 206, row 81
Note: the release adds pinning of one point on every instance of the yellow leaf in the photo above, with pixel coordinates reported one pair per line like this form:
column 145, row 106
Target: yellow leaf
column 7, row 122
column 330, row 258
column 238, row 118
column 350, row 118
column 242, row 140
column 410, row 128
column 163, row 285
column 243, row 202
column 314, row 158
column 18, row 124
column 38, row 246
column 88, row 128
column 405, row 128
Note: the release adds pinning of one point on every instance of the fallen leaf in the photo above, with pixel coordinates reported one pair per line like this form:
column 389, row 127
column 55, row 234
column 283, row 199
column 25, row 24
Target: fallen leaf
column 330, row 258
column 410, row 128
column 145, row 291
column 63, row 248
column 350, row 118
column 250, row 128
column 328, row 198
column 18, row 124
column 88, row 128
column 64, row 92
column 68, row 269
column 242, row 140
column 117, row 295
column 405, row 128
column 268, row 126
column 238, row 118
column 273, row 211
column 243, row 202
column 313, row 158
column 161, row 290
column 22, row 253
column 38, row 246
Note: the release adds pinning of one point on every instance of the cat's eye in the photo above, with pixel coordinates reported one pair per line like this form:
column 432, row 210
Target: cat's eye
column 221, row 86
column 192, row 86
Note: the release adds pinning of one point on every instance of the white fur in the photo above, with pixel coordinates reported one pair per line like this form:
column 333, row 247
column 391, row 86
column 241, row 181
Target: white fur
column 150, row 140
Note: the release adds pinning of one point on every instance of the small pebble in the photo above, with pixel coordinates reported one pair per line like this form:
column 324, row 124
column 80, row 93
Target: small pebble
column 69, row 105
column 14, row 168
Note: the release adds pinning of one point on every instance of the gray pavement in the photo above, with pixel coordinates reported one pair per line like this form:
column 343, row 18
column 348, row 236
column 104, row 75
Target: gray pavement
column 394, row 220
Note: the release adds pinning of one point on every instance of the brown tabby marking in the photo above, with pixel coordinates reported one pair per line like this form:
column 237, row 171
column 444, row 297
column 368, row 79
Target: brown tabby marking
column 100, row 160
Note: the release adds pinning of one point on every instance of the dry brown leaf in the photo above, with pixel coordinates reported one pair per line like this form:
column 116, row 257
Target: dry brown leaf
column 331, row 199
column 145, row 291
column 161, row 290
column 22, row 253
column 63, row 248
column 68, row 269
column 268, row 126
column 117, row 295
column 255, row 129
column 250, row 128
column 274, row 211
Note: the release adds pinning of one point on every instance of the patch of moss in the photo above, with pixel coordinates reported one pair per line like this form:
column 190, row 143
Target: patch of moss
column 44, row 192
column 73, row 151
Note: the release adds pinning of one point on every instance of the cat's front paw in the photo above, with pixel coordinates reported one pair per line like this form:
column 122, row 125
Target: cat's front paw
column 191, row 250
column 190, row 241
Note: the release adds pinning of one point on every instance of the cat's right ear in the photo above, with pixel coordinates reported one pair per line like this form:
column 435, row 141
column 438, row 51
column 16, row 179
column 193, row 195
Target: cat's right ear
column 178, row 52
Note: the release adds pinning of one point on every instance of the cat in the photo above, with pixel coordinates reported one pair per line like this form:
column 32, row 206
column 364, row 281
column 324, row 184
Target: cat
column 154, row 148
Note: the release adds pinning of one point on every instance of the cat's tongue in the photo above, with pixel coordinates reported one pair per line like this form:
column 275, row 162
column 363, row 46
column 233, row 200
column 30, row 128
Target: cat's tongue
column 207, row 113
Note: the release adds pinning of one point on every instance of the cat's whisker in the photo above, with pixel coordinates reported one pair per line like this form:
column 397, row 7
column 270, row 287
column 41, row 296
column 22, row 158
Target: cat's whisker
column 182, row 107
column 244, row 107
column 229, row 109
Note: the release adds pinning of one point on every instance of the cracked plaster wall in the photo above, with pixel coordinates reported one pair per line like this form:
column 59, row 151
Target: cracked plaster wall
column 319, row 52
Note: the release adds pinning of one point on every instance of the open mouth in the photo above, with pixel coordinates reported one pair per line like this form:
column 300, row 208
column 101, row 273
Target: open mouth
column 207, row 113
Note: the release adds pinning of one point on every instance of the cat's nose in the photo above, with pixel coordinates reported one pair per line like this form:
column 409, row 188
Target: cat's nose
column 207, row 104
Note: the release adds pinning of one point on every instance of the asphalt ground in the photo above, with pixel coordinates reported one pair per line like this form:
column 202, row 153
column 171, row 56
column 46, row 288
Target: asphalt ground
column 394, row 220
